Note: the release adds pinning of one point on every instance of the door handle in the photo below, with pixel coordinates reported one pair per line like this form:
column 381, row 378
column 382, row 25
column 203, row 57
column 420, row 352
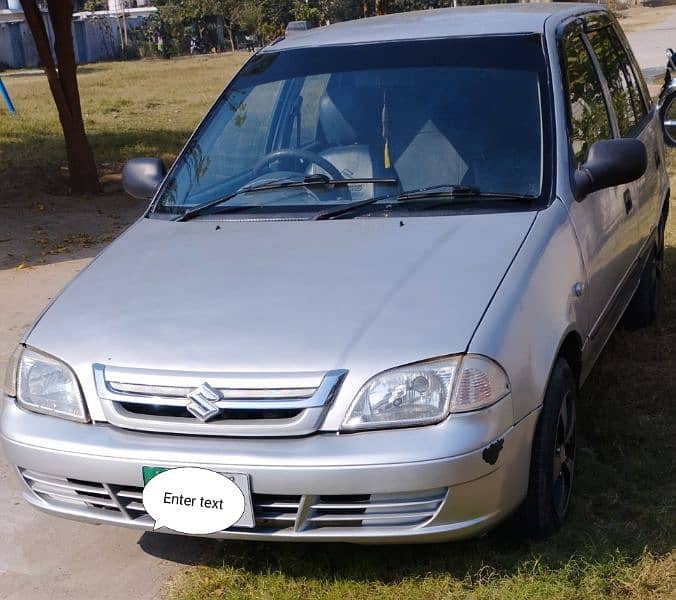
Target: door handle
column 628, row 202
column 658, row 160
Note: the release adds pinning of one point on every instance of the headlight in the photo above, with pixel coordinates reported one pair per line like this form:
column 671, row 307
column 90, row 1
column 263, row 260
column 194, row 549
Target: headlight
column 46, row 385
column 426, row 393
column 10, row 374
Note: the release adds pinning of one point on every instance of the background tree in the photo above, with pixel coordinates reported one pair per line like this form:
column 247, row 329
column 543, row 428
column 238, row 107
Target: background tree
column 251, row 17
column 61, row 71
column 276, row 15
column 230, row 11
column 304, row 11
column 93, row 5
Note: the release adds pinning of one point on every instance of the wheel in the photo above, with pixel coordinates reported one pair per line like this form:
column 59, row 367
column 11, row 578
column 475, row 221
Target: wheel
column 297, row 153
column 552, row 467
column 668, row 119
column 644, row 308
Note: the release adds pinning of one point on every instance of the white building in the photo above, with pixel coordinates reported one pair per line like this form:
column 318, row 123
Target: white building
column 96, row 35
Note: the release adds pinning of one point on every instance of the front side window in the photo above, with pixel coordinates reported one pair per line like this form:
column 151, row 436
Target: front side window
column 454, row 112
column 589, row 121
column 627, row 103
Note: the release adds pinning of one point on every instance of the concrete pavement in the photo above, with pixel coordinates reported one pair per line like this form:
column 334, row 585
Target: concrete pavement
column 41, row 556
column 649, row 44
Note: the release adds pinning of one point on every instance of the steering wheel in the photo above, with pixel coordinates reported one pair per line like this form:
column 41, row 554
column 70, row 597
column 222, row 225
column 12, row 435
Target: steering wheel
column 310, row 157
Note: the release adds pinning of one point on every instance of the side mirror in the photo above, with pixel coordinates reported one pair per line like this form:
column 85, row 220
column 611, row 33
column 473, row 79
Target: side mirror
column 610, row 163
column 142, row 176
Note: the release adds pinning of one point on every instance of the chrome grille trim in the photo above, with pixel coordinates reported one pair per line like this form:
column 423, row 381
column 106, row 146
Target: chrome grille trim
column 167, row 392
column 306, row 422
column 376, row 505
column 271, row 512
column 78, row 497
column 307, row 405
column 130, row 494
column 417, row 515
column 377, row 510
column 219, row 380
column 43, row 480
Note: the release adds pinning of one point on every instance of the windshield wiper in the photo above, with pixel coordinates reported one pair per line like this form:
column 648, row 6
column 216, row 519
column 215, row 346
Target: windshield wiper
column 445, row 191
column 339, row 211
column 456, row 191
column 308, row 180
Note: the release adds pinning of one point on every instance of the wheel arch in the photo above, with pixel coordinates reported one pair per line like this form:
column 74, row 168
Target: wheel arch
column 570, row 349
column 662, row 224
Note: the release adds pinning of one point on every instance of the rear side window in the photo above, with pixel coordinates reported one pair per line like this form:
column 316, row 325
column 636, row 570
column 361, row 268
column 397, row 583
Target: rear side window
column 588, row 112
column 626, row 97
column 640, row 108
column 635, row 69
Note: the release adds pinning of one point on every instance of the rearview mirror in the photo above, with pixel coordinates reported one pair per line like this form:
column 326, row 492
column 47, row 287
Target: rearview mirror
column 142, row 176
column 610, row 163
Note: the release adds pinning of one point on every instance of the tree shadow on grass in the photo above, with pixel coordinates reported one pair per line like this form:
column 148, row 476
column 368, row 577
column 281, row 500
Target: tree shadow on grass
column 39, row 72
column 40, row 222
column 44, row 228
column 623, row 502
column 26, row 152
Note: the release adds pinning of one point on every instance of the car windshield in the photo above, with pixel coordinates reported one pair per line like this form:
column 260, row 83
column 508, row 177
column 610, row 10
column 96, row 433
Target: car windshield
column 397, row 116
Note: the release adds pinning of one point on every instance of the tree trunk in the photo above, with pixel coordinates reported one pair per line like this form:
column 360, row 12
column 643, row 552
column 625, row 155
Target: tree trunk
column 220, row 33
column 379, row 7
column 62, row 79
column 231, row 37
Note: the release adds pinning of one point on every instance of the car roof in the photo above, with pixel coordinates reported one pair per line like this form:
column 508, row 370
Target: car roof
column 437, row 23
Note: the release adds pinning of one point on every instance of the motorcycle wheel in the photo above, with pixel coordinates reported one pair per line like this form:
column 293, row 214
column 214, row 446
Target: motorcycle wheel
column 668, row 119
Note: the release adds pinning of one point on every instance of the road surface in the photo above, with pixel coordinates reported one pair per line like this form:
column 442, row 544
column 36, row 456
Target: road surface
column 649, row 44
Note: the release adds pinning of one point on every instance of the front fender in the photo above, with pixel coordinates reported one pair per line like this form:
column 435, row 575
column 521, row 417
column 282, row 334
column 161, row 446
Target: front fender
column 535, row 308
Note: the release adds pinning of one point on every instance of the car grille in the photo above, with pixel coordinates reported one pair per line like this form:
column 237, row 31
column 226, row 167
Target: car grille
column 249, row 405
column 271, row 512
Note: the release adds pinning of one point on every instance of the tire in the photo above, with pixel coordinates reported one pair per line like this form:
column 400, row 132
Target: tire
column 668, row 113
column 552, row 468
column 644, row 308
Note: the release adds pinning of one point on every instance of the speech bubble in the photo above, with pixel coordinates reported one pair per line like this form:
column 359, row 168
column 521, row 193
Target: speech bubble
column 193, row 500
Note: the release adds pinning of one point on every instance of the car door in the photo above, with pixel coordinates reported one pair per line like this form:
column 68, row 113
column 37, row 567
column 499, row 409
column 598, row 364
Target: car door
column 633, row 120
column 651, row 135
column 605, row 221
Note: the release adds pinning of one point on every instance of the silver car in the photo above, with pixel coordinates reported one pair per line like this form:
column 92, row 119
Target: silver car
column 368, row 290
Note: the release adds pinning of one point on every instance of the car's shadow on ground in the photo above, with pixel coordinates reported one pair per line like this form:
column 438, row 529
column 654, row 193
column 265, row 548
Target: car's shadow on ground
column 622, row 508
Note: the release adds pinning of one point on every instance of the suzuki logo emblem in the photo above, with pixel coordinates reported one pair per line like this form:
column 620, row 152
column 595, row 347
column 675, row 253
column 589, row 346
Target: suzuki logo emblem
column 203, row 402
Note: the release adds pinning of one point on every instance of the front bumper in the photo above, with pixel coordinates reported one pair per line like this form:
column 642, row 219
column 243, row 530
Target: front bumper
column 420, row 484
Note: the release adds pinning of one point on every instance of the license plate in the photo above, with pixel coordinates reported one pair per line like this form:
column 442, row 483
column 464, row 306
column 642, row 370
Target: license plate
column 241, row 480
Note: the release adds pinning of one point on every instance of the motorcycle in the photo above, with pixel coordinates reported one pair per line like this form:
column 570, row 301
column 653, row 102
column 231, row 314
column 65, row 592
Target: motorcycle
column 667, row 100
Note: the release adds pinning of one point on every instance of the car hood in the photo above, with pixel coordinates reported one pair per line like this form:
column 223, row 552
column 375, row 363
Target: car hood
column 286, row 296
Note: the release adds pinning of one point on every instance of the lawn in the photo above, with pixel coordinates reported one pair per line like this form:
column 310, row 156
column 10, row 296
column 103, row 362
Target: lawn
column 619, row 540
column 140, row 108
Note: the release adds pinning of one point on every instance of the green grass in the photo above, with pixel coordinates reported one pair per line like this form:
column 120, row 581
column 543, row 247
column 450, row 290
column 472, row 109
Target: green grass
column 146, row 108
column 619, row 540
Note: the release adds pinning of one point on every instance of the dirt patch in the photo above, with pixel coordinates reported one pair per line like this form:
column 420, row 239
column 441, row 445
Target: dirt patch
column 47, row 226
column 645, row 17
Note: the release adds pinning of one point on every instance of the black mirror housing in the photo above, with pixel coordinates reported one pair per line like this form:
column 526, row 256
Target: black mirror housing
column 610, row 163
column 142, row 176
